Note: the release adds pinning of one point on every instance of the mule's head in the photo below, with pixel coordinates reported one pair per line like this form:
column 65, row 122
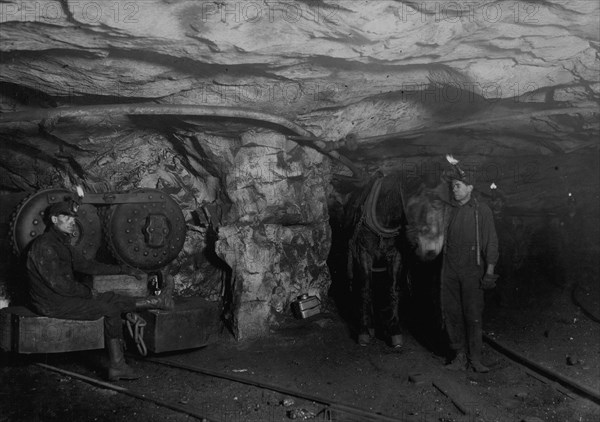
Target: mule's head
column 426, row 214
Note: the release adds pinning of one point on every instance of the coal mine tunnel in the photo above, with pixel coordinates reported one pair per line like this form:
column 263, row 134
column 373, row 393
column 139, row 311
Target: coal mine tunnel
column 271, row 191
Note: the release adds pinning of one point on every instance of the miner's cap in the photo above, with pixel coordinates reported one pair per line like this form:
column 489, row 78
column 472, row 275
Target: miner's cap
column 61, row 208
column 453, row 174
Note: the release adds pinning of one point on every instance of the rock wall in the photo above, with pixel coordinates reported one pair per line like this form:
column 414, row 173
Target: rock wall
column 278, row 236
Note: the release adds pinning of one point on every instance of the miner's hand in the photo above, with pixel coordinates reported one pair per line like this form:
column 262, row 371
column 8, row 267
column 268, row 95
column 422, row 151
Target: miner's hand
column 489, row 281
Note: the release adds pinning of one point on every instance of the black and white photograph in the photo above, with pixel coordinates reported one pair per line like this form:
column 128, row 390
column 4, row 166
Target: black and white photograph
column 299, row 210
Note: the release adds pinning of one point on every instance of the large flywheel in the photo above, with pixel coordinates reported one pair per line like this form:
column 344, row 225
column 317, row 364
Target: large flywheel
column 29, row 221
column 148, row 231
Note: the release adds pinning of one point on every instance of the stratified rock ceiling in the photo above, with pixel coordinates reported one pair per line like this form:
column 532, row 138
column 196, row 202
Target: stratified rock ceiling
column 401, row 78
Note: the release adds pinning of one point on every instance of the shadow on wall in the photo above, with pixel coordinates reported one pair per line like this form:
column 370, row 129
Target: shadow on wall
column 227, row 293
column 540, row 254
column 13, row 280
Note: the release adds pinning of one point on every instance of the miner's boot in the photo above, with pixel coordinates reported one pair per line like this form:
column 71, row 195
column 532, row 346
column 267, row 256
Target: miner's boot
column 163, row 301
column 118, row 368
column 477, row 366
column 475, row 347
column 459, row 363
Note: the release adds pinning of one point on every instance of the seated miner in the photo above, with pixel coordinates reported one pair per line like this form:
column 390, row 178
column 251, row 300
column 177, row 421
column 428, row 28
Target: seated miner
column 55, row 292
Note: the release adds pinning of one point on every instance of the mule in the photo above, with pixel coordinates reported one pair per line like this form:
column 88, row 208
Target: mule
column 388, row 219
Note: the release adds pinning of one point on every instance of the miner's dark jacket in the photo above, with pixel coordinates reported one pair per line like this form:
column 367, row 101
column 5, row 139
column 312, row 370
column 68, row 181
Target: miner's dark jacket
column 51, row 266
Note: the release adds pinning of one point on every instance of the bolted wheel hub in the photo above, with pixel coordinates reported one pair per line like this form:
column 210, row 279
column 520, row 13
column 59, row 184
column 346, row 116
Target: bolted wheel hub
column 147, row 233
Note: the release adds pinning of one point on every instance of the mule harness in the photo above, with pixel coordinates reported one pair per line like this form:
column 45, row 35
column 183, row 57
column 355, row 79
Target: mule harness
column 368, row 217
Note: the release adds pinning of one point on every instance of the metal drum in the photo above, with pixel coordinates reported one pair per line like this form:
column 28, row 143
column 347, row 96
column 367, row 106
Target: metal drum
column 148, row 231
column 29, row 221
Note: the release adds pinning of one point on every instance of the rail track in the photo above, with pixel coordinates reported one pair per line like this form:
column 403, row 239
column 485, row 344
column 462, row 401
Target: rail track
column 330, row 410
column 327, row 409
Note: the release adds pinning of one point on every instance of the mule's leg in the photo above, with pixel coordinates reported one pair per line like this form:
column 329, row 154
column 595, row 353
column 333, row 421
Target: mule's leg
column 366, row 298
column 392, row 322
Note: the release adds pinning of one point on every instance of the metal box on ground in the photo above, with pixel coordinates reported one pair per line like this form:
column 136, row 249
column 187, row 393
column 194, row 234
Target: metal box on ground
column 22, row 331
column 306, row 306
column 194, row 322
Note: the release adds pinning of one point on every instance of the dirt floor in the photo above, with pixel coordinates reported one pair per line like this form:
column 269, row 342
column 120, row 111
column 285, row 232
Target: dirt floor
column 558, row 328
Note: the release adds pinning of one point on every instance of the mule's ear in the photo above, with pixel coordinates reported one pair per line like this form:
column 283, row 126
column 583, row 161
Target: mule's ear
column 443, row 190
column 446, row 177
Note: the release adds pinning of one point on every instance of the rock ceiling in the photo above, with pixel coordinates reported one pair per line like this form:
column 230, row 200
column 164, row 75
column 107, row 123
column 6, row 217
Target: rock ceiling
column 394, row 79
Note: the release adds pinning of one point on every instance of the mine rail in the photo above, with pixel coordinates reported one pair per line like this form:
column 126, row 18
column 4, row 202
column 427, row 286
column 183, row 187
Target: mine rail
column 330, row 405
column 546, row 373
column 334, row 410
column 331, row 410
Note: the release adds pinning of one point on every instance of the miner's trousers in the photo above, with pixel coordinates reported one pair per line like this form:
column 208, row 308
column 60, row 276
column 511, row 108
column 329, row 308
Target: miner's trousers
column 462, row 307
column 108, row 305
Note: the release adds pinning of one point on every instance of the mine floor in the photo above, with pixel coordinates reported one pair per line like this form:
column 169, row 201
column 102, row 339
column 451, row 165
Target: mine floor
column 319, row 356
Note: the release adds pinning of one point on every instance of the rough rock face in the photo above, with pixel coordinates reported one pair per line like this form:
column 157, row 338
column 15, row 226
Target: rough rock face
column 278, row 237
column 388, row 84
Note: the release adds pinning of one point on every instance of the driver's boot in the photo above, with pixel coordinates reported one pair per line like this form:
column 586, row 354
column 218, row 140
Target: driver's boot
column 475, row 347
column 477, row 366
column 118, row 368
column 459, row 363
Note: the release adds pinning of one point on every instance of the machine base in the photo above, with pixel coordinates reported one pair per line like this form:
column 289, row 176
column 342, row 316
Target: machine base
column 194, row 322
